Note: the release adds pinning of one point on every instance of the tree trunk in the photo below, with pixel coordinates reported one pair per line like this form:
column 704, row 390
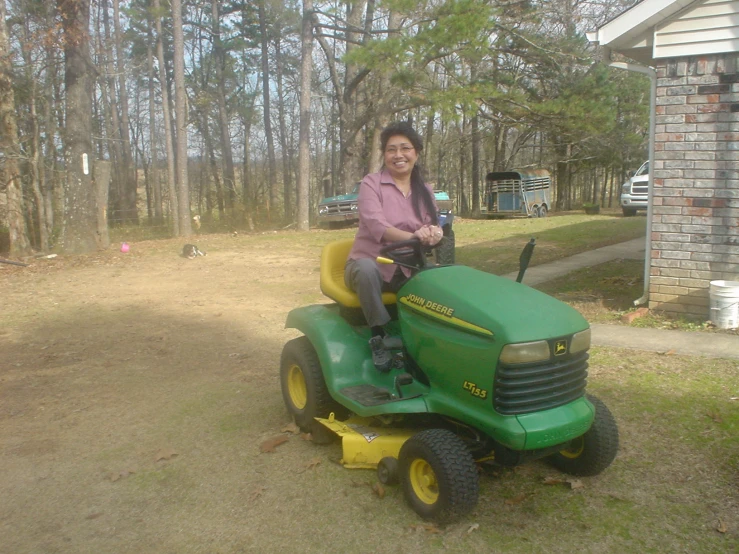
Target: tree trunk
column 287, row 183
column 80, row 209
column 34, row 150
column 102, row 187
column 219, row 55
column 10, row 178
column 272, row 164
column 166, row 113
column 475, row 173
column 306, row 66
column 153, row 150
column 129, row 200
column 183, row 188
column 111, row 122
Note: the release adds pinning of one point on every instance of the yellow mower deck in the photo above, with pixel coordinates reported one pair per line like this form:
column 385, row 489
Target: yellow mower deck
column 363, row 445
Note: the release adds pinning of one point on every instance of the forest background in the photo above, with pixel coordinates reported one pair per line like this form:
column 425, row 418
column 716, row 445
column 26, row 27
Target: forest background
column 245, row 114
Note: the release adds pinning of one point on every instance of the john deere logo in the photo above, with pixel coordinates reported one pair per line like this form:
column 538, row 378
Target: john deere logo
column 560, row 347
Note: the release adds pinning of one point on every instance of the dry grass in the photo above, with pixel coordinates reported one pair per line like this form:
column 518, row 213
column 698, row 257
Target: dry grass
column 135, row 392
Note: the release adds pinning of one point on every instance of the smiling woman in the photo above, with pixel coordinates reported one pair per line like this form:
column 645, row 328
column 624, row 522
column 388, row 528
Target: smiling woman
column 394, row 205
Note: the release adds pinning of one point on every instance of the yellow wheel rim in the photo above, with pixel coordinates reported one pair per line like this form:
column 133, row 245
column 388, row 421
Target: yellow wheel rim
column 575, row 449
column 423, row 480
column 296, row 387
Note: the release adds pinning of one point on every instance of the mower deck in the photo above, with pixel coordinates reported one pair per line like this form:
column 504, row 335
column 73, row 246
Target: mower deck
column 363, row 446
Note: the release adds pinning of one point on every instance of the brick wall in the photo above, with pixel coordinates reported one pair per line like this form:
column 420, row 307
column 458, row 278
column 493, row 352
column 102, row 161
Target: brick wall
column 695, row 219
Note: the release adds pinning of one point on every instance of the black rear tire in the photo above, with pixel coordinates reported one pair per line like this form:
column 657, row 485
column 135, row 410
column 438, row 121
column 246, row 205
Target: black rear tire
column 593, row 452
column 439, row 476
column 303, row 386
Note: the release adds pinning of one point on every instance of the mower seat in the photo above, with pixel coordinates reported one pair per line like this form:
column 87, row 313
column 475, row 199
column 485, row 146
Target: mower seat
column 333, row 259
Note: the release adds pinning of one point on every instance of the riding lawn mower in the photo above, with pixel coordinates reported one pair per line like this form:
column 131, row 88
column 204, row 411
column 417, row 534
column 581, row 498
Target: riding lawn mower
column 485, row 370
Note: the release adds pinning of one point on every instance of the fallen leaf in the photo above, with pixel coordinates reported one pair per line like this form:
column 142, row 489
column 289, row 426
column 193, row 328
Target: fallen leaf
column 94, row 515
column 553, row 481
column 516, row 499
column 291, row 428
column 379, row 490
column 117, row 475
column 428, row 527
column 314, row 463
column 576, row 484
column 715, row 417
column 270, row 444
column 256, row 493
column 473, row 527
column 306, row 436
column 165, row 454
column 362, row 484
column 721, row 527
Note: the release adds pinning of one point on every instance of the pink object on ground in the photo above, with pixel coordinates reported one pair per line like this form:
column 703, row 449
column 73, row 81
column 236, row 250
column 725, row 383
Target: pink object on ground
column 124, row 247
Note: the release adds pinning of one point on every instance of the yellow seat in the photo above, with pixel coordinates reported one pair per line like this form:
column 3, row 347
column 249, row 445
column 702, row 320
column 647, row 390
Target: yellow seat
column 333, row 259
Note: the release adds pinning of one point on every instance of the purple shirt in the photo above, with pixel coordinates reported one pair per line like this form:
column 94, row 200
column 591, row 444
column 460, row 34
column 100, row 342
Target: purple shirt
column 382, row 205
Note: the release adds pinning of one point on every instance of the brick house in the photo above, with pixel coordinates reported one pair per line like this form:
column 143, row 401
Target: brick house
column 693, row 219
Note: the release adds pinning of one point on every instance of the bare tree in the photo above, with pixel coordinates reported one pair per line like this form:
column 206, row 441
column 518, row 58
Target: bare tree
column 79, row 230
column 306, row 65
column 166, row 114
column 272, row 163
column 183, row 187
column 10, row 180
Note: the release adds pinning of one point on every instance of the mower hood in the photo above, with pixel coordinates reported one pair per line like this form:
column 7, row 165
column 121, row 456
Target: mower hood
column 486, row 305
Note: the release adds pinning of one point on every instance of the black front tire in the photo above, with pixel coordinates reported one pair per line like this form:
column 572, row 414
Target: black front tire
column 593, row 452
column 629, row 212
column 303, row 386
column 439, row 475
column 445, row 249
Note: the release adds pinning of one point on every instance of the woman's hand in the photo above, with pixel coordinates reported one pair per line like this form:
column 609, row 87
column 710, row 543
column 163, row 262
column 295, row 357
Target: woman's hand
column 430, row 235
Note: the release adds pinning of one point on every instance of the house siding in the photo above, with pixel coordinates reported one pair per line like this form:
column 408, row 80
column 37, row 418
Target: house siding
column 703, row 28
column 695, row 210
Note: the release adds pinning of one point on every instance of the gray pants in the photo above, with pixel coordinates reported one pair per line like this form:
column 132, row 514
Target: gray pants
column 363, row 277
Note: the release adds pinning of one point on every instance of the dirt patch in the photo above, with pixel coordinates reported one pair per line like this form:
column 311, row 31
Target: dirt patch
column 136, row 390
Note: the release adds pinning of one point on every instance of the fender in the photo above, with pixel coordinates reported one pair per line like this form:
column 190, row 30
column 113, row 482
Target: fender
column 346, row 361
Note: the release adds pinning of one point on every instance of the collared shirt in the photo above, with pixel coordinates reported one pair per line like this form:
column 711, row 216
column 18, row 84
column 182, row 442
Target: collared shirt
column 382, row 205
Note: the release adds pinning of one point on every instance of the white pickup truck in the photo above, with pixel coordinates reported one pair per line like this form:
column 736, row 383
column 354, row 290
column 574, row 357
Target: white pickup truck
column 635, row 191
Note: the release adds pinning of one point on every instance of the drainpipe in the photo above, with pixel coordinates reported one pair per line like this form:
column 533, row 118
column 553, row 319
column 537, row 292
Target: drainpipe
column 649, row 71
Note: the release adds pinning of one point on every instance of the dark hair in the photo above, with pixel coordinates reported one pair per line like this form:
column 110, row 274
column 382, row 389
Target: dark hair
column 418, row 187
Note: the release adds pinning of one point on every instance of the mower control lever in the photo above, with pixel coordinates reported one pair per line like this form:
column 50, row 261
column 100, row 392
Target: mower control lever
column 400, row 380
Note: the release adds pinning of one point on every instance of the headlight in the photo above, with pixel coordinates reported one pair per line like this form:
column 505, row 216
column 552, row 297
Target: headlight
column 626, row 187
column 580, row 341
column 525, row 352
column 322, row 210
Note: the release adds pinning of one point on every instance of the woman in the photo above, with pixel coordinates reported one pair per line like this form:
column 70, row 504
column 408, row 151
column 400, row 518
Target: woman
column 394, row 204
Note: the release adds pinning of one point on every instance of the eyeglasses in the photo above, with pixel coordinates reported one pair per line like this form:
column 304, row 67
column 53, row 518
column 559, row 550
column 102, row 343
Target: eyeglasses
column 404, row 149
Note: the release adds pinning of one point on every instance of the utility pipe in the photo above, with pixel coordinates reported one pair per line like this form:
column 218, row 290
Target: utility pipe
column 652, row 74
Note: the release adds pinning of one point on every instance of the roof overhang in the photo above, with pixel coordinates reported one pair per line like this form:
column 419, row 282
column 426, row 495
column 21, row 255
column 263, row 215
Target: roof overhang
column 632, row 32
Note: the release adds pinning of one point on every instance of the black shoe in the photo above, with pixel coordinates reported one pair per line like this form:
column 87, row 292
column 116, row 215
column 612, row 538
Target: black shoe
column 381, row 357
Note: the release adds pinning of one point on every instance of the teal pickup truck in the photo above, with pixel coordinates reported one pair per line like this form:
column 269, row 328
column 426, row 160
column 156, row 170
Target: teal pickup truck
column 341, row 210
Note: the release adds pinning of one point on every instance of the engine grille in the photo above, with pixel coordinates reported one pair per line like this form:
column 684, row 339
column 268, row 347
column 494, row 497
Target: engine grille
column 640, row 188
column 341, row 207
column 522, row 389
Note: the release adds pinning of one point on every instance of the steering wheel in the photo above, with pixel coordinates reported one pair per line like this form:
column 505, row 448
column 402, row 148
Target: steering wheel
column 409, row 253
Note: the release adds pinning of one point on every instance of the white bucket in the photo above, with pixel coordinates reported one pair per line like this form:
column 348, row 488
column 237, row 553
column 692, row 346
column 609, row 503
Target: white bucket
column 724, row 296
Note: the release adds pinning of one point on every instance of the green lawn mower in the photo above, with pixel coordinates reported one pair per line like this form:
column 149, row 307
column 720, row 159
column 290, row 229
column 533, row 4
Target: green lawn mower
column 485, row 369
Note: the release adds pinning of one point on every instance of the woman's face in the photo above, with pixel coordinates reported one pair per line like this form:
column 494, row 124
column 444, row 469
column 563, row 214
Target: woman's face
column 400, row 156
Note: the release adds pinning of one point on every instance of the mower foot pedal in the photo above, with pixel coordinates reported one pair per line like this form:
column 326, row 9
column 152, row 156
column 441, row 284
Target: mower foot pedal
column 368, row 395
